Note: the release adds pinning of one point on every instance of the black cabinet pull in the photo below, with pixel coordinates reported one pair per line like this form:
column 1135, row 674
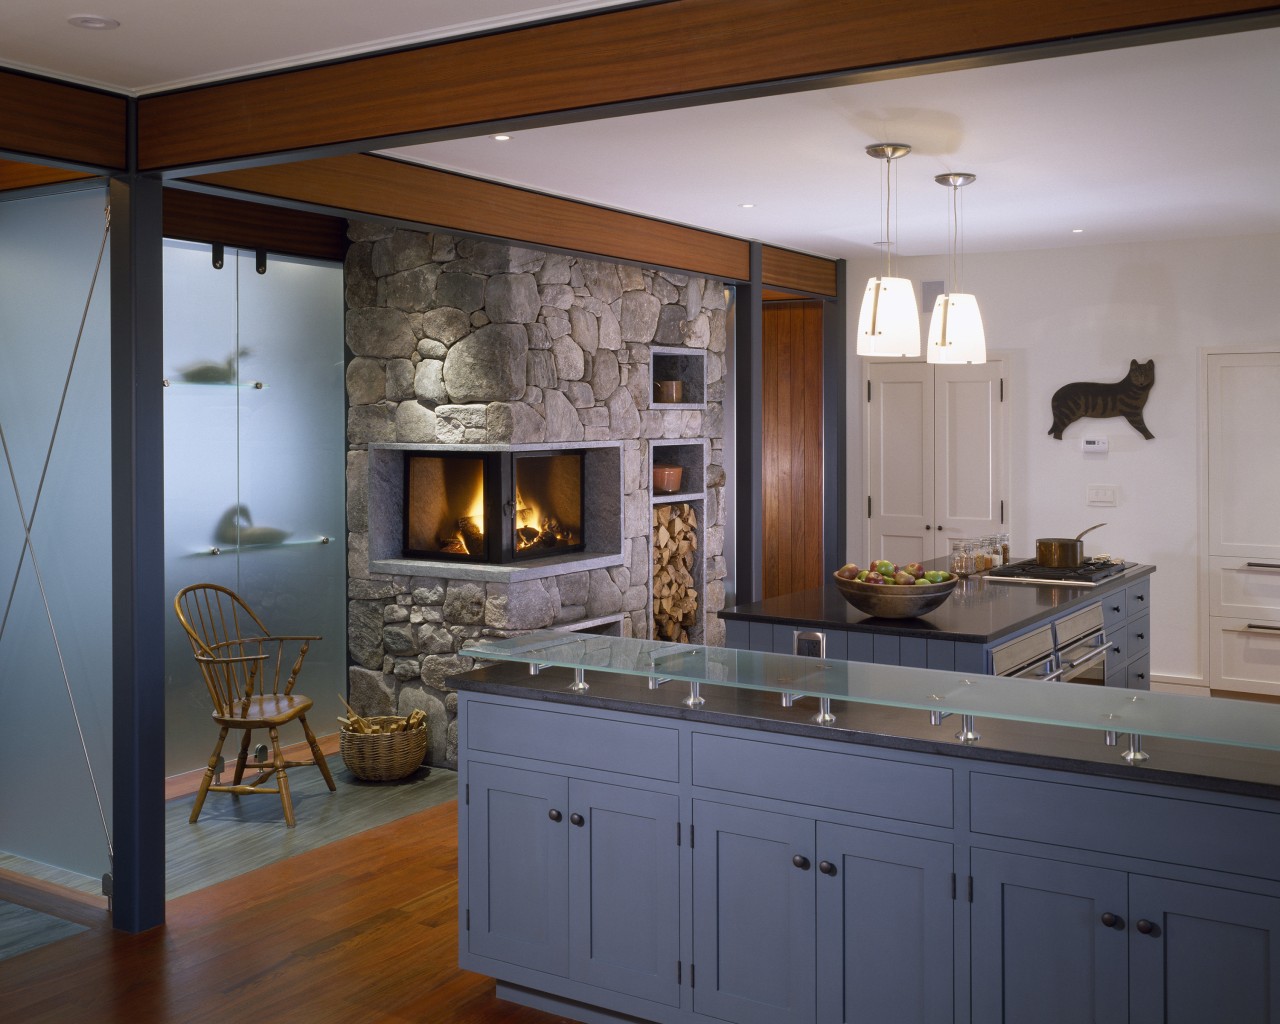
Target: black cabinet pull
column 826, row 867
column 554, row 815
column 1145, row 927
column 1142, row 636
column 577, row 819
column 1111, row 920
column 1140, row 597
column 1115, row 608
column 801, row 861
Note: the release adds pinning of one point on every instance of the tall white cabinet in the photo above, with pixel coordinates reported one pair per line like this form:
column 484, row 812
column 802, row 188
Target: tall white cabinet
column 937, row 456
column 1243, row 425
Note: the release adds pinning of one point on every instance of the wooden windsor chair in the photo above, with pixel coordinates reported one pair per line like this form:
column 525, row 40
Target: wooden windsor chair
column 244, row 670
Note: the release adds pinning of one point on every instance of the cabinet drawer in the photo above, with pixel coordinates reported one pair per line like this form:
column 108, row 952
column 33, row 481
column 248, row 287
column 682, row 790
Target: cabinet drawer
column 1245, row 588
column 1138, row 673
column 649, row 751
column 1138, row 596
column 1128, row 824
column 1244, row 654
column 1138, row 633
column 1115, row 609
column 823, row 778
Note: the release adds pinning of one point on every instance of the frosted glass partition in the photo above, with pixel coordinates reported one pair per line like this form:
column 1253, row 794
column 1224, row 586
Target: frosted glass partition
column 1105, row 709
column 255, row 466
column 49, row 815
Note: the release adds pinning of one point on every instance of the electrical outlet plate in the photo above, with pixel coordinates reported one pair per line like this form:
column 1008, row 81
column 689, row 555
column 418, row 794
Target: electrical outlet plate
column 1100, row 496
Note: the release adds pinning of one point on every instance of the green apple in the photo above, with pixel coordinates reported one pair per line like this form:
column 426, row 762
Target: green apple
column 884, row 567
column 922, row 582
column 937, row 576
column 903, row 578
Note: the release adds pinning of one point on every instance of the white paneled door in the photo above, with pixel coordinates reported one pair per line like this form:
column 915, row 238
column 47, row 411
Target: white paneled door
column 937, row 457
column 1243, row 560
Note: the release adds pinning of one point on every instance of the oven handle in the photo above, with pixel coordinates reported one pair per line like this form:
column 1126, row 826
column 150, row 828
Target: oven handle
column 1096, row 653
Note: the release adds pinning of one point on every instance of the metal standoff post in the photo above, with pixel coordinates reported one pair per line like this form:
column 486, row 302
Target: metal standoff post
column 695, row 698
column 967, row 733
column 1135, row 754
column 579, row 684
column 824, row 715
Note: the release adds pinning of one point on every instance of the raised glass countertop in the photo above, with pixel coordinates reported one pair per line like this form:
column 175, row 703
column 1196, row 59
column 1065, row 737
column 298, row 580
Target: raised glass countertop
column 1071, row 705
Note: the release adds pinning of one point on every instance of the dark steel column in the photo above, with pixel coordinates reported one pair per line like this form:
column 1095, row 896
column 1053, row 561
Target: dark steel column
column 137, row 551
column 835, row 429
column 749, row 442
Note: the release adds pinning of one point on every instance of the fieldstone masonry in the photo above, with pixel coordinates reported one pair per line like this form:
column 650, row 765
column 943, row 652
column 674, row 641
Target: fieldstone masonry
column 459, row 340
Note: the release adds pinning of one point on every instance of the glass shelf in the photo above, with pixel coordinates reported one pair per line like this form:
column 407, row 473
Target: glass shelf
column 1103, row 709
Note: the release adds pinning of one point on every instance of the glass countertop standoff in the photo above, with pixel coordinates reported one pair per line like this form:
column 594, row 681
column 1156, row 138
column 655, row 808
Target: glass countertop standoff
column 1103, row 709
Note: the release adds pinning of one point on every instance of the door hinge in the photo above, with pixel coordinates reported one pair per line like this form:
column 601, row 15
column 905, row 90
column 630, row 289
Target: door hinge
column 971, row 888
column 1002, row 389
column 953, row 885
column 468, row 919
column 868, row 506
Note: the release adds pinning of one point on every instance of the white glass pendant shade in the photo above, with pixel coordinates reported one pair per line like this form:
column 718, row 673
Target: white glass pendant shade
column 955, row 332
column 889, row 322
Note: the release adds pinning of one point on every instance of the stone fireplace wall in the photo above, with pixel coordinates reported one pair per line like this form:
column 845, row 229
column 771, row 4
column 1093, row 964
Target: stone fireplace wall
column 458, row 340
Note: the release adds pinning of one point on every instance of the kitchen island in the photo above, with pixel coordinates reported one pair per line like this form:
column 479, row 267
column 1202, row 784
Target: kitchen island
column 980, row 615
column 646, row 832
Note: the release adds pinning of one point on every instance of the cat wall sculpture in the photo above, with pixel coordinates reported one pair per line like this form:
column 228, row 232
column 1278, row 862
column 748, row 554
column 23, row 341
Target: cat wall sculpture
column 1101, row 401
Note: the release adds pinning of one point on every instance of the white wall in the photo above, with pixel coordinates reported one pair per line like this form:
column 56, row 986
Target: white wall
column 1082, row 313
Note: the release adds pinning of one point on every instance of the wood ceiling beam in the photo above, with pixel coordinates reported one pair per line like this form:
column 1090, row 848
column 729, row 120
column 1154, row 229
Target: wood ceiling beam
column 659, row 55
column 361, row 185
column 14, row 174
column 59, row 123
column 786, row 268
column 200, row 217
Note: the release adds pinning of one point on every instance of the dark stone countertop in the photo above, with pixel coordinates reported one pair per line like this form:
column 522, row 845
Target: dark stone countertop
column 980, row 610
column 1204, row 767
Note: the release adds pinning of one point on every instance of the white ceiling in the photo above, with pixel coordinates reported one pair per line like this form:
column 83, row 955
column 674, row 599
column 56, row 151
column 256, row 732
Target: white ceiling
column 1174, row 140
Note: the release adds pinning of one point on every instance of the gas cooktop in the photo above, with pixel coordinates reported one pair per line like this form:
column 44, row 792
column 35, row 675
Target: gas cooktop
column 1088, row 574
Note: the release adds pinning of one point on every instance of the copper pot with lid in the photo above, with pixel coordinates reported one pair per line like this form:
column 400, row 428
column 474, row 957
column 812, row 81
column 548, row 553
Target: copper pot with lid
column 1062, row 552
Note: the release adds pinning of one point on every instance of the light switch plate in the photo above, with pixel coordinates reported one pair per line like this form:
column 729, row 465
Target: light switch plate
column 1100, row 495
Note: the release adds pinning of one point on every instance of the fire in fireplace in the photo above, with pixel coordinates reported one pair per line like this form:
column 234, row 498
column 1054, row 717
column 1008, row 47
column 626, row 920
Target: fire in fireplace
column 493, row 507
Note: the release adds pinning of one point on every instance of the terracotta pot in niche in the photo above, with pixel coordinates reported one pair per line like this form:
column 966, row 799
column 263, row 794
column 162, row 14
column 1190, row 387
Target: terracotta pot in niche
column 666, row 479
column 669, row 390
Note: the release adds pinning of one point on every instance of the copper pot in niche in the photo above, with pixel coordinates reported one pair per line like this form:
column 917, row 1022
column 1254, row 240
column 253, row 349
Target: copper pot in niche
column 669, row 390
column 666, row 479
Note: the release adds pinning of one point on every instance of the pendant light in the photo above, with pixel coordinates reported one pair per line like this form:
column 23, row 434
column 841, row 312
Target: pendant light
column 955, row 332
column 889, row 322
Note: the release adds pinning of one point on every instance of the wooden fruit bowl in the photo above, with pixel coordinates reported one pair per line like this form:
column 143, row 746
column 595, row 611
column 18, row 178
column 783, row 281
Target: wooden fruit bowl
column 890, row 601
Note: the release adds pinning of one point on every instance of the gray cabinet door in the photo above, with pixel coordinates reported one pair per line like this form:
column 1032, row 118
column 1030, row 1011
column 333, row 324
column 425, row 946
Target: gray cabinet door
column 885, row 928
column 1041, row 950
column 753, row 915
column 517, row 871
column 1199, row 953
column 624, row 890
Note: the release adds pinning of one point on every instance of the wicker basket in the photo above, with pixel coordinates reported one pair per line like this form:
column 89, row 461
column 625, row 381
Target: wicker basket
column 383, row 756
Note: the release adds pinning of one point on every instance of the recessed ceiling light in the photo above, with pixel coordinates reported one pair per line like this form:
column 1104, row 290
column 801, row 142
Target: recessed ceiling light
column 93, row 21
column 1077, row 231
column 747, row 206
column 502, row 138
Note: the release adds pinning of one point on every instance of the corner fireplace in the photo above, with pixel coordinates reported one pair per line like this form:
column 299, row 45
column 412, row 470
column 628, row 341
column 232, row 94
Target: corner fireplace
column 493, row 507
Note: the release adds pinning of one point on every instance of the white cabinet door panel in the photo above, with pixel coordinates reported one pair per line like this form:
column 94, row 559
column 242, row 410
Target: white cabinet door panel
column 1244, row 460
column 1245, row 587
column 1244, row 655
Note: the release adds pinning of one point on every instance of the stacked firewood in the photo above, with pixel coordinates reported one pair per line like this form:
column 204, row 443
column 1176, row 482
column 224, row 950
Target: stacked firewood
column 675, row 595
column 416, row 719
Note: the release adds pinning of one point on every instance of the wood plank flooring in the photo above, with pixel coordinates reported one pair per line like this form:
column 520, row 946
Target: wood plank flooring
column 361, row 930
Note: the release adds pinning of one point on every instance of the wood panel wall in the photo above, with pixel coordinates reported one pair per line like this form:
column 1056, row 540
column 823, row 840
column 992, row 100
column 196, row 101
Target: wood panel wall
column 378, row 187
column 650, row 55
column 792, row 447
column 61, row 123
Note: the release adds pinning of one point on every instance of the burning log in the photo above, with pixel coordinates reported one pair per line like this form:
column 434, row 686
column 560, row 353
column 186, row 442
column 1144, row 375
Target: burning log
column 675, row 593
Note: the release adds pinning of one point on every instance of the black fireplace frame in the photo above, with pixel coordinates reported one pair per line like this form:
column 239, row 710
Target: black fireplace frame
column 499, row 474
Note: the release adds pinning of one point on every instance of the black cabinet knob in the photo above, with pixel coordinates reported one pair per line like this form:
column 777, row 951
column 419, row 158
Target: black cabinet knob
column 801, row 861
column 826, row 867
column 1142, row 636
column 1145, row 927
column 927, row 526
column 1115, row 608
column 1111, row 920
column 577, row 819
column 554, row 815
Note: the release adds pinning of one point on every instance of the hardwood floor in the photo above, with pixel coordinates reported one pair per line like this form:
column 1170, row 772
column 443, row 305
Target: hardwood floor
column 361, row 930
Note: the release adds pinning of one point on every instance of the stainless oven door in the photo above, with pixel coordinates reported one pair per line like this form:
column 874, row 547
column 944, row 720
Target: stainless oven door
column 1028, row 657
column 1085, row 661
